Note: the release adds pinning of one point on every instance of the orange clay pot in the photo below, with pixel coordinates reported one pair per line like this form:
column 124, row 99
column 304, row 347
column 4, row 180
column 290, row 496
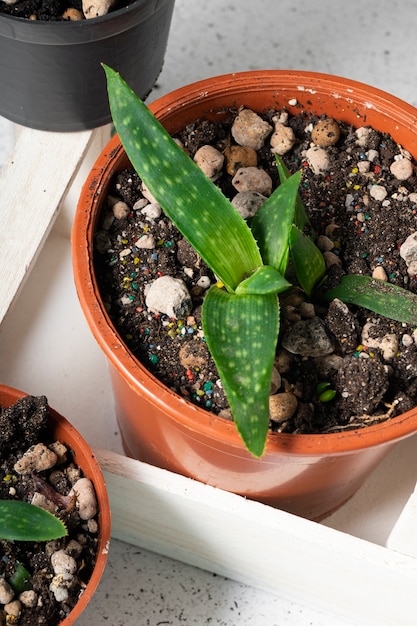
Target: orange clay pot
column 63, row 431
column 309, row 475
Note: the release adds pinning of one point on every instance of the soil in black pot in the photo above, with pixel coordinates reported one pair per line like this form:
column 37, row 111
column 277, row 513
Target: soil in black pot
column 48, row 10
column 35, row 468
column 362, row 204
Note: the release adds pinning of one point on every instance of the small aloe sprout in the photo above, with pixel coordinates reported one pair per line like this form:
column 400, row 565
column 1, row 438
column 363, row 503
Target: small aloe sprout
column 22, row 521
column 20, row 580
column 324, row 392
column 241, row 312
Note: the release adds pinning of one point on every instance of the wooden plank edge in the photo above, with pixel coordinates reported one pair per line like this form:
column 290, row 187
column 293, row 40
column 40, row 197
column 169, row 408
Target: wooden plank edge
column 403, row 537
column 258, row 545
column 32, row 186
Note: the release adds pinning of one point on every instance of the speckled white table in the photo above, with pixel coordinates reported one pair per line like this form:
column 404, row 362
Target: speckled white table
column 371, row 42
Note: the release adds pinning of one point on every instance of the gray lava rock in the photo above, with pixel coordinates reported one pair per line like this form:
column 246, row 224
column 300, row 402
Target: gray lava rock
column 341, row 322
column 309, row 338
column 362, row 383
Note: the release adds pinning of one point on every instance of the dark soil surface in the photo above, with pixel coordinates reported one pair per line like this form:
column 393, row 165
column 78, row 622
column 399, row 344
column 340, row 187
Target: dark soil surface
column 364, row 233
column 47, row 10
column 21, row 426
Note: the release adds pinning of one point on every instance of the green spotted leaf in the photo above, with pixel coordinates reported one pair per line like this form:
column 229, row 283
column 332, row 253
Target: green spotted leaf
column 272, row 223
column 241, row 332
column 307, row 260
column 300, row 216
column 21, row 521
column 196, row 206
column 378, row 296
column 264, row 280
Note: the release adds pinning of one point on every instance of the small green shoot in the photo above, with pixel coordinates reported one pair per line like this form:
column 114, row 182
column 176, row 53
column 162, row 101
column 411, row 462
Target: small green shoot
column 20, row 580
column 241, row 312
column 21, row 521
column 324, row 392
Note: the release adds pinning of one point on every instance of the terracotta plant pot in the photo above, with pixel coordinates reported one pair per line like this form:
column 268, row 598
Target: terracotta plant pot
column 51, row 72
column 309, row 475
column 63, row 431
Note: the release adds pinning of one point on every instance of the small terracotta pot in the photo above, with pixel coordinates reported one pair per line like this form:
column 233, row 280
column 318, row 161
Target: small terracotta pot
column 309, row 475
column 51, row 74
column 63, row 431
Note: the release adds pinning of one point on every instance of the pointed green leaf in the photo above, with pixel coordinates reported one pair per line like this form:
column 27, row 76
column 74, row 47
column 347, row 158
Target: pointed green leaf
column 272, row 223
column 241, row 333
column 21, row 521
column 264, row 280
column 376, row 295
column 196, row 206
column 307, row 260
column 300, row 216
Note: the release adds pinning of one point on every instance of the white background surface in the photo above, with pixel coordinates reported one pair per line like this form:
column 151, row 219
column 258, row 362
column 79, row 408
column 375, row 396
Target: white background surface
column 46, row 348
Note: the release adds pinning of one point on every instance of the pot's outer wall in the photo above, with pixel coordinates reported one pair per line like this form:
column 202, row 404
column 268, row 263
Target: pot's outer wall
column 51, row 72
column 64, row 432
column 309, row 475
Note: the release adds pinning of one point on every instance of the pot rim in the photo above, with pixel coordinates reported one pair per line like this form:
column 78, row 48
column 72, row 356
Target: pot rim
column 91, row 468
column 352, row 97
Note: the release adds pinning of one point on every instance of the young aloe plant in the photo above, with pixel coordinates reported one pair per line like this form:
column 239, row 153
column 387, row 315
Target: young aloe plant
column 21, row 521
column 241, row 312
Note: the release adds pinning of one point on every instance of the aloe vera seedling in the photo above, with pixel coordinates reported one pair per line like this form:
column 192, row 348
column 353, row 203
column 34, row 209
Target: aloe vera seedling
column 21, row 521
column 240, row 313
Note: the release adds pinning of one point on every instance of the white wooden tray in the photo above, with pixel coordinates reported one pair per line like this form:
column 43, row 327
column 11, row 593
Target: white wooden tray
column 359, row 580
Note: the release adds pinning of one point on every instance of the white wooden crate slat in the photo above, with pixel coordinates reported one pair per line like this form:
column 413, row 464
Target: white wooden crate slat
column 32, row 186
column 258, row 545
column 403, row 537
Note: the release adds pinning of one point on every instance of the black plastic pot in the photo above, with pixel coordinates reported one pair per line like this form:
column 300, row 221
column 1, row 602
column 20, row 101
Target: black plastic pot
column 50, row 72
